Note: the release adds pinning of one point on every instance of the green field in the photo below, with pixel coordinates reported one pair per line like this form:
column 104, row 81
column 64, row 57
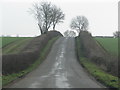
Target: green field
column 15, row 47
column 110, row 44
column 7, row 40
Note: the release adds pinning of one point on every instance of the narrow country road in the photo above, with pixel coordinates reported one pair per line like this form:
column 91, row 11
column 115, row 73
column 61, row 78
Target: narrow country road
column 60, row 70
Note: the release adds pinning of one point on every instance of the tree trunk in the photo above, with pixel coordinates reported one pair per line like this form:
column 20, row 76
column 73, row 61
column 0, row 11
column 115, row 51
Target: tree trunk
column 53, row 27
column 40, row 29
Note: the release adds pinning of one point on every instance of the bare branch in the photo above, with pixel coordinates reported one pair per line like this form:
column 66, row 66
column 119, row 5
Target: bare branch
column 47, row 15
column 57, row 17
column 80, row 23
column 69, row 33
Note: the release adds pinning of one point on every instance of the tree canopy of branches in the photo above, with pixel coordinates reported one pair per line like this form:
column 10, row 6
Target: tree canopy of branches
column 69, row 33
column 47, row 15
column 79, row 23
column 58, row 16
column 116, row 34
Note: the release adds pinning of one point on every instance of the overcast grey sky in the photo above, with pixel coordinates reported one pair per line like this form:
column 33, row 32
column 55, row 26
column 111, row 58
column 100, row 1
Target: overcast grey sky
column 102, row 16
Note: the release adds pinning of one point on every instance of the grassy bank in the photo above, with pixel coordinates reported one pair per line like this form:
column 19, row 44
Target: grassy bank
column 9, row 78
column 100, row 75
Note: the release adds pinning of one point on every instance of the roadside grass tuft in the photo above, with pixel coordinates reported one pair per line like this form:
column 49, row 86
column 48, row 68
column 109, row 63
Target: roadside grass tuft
column 11, row 77
column 105, row 78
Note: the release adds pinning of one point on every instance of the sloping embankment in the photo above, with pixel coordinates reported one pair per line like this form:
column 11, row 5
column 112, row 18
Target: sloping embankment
column 97, row 54
column 13, row 63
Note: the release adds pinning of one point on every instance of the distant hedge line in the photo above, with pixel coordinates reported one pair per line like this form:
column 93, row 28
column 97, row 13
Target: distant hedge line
column 13, row 63
column 97, row 54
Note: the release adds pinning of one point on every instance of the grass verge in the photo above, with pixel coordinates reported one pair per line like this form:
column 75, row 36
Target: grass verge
column 107, row 79
column 9, row 78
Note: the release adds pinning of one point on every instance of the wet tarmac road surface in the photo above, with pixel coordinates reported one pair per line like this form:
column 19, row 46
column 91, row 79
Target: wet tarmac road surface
column 59, row 70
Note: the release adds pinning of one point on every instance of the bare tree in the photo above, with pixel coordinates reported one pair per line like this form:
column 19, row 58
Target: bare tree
column 47, row 15
column 69, row 33
column 72, row 34
column 80, row 23
column 57, row 16
column 42, row 12
column 116, row 34
column 66, row 33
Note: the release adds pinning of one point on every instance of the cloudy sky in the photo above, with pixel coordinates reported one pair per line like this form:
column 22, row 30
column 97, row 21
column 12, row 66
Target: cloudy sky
column 101, row 14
